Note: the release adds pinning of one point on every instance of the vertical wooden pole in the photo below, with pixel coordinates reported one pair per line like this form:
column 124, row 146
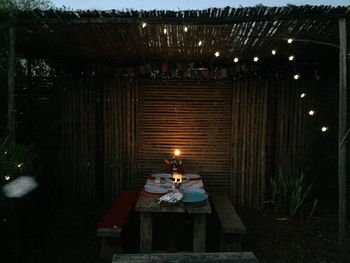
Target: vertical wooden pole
column 11, row 119
column 342, row 212
column 146, row 232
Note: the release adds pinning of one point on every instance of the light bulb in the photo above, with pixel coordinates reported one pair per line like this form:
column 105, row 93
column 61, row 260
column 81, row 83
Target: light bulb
column 7, row 177
column 311, row 112
column 144, row 25
column 324, row 129
column 164, row 30
column 185, row 28
column 296, row 76
column 217, row 53
column 273, row 52
column 302, row 95
column 291, row 58
column 290, row 40
column 255, row 59
column 200, row 43
column 235, row 60
column 177, row 152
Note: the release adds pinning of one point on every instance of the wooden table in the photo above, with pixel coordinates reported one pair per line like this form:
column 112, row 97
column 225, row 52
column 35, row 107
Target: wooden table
column 213, row 257
column 147, row 206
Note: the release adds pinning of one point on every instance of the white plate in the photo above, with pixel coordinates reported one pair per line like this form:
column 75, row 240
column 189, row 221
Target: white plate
column 192, row 176
column 160, row 175
column 155, row 189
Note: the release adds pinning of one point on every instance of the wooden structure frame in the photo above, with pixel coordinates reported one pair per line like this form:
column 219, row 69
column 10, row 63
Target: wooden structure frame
column 90, row 36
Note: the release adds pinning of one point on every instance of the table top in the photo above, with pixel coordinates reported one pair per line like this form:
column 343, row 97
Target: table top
column 150, row 204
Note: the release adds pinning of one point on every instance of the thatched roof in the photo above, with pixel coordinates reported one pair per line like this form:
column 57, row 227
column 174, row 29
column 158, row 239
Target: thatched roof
column 119, row 36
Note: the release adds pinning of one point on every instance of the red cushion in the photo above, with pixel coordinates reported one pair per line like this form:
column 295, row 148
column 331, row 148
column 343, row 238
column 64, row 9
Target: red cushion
column 119, row 212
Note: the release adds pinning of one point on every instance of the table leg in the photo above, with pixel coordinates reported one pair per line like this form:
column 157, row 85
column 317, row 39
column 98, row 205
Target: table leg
column 145, row 232
column 199, row 228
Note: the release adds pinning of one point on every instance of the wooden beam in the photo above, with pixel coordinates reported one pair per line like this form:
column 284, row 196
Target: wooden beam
column 171, row 20
column 11, row 119
column 342, row 212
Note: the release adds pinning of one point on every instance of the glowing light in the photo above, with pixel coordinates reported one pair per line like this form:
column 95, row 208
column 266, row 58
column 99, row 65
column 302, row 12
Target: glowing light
column 217, row 53
column 273, row 52
column 144, row 25
column 255, row 59
column 235, row 60
column 177, row 152
column 200, row 43
column 5, row 152
column 7, row 177
column 165, row 31
column 185, row 28
column 324, row 129
column 290, row 40
column 291, row 58
column 19, row 165
column 311, row 112
column 296, row 76
column 302, row 95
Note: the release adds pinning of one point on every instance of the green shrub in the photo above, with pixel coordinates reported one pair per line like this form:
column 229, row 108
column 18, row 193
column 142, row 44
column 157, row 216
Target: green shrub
column 291, row 194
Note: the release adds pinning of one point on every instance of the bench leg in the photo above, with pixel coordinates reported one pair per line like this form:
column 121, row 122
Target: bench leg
column 199, row 228
column 230, row 243
column 145, row 232
column 110, row 246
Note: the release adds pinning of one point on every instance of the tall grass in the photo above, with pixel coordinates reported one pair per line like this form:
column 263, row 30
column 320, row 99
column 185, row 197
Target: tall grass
column 291, row 194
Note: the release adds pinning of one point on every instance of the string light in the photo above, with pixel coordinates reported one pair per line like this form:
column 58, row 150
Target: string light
column 324, row 129
column 217, row 53
column 164, row 30
column 290, row 40
column 235, row 60
column 144, row 24
column 200, row 43
column 185, row 28
column 291, row 58
column 311, row 112
column 296, row 76
column 7, row 177
column 255, row 59
column 302, row 95
column 273, row 52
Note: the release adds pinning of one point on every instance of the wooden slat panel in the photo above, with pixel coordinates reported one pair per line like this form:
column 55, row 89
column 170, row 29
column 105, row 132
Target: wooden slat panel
column 193, row 116
column 78, row 145
column 118, row 102
column 248, row 140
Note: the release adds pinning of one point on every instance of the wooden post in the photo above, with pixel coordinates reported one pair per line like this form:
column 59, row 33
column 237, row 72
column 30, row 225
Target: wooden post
column 146, row 232
column 199, row 228
column 342, row 212
column 11, row 119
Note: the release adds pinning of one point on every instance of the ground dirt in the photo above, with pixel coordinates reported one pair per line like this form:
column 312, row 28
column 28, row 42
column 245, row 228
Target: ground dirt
column 67, row 234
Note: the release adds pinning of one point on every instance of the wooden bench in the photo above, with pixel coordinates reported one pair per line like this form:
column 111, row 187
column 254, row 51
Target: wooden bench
column 234, row 257
column 110, row 227
column 232, row 228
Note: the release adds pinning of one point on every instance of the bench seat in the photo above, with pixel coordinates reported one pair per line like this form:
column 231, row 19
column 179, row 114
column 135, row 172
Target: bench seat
column 212, row 257
column 232, row 228
column 110, row 227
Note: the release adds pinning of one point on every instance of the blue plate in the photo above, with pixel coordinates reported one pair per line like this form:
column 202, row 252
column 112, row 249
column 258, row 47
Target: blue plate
column 194, row 198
